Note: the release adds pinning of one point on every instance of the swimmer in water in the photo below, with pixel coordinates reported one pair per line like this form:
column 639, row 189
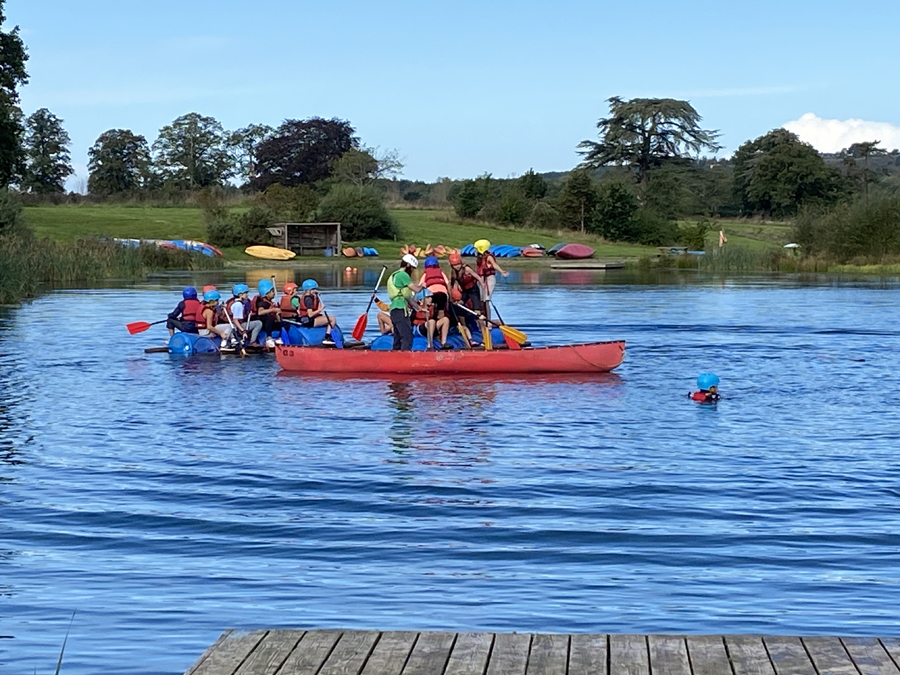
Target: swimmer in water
column 708, row 383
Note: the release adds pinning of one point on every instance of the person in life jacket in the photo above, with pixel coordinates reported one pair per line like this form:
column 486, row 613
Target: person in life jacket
column 268, row 312
column 401, row 290
column 289, row 301
column 311, row 310
column 210, row 319
column 437, row 284
column 384, row 318
column 238, row 308
column 487, row 266
column 184, row 316
column 427, row 320
column 708, row 384
column 466, row 289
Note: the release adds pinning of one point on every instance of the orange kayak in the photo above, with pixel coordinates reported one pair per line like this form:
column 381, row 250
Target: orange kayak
column 596, row 357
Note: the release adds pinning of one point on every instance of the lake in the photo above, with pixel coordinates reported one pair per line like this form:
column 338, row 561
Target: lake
column 165, row 499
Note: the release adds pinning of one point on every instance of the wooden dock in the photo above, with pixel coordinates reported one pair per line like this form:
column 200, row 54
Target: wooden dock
column 351, row 652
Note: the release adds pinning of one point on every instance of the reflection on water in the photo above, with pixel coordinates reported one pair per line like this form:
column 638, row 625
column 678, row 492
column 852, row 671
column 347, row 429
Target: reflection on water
column 167, row 498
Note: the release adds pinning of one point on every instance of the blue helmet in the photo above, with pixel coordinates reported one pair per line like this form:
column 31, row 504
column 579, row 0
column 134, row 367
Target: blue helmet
column 240, row 288
column 189, row 293
column 707, row 380
column 431, row 261
column 211, row 295
column 264, row 286
column 424, row 293
column 309, row 285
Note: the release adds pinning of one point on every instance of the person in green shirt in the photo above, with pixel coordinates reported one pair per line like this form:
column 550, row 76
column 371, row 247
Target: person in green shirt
column 401, row 292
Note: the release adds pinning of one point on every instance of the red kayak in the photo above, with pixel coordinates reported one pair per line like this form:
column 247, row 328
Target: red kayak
column 596, row 357
column 574, row 252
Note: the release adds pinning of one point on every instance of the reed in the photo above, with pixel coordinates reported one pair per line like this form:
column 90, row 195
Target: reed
column 26, row 263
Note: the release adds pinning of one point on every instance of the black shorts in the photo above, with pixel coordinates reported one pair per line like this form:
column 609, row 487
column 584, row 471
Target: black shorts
column 440, row 301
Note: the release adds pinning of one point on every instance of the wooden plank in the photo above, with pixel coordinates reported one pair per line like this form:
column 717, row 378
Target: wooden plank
column 668, row 654
column 351, row 653
column 708, row 656
column 230, row 653
column 268, row 656
column 892, row 646
column 510, row 654
column 587, row 655
column 390, row 653
column 549, row 655
column 788, row 655
column 748, row 655
column 309, row 655
column 209, row 650
column 470, row 654
column 870, row 656
column 628, row 655
column 430, row 654
column 829, row 656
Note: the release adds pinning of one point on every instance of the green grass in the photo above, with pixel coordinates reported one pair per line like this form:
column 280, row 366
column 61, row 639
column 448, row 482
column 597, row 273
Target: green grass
column 70, row 222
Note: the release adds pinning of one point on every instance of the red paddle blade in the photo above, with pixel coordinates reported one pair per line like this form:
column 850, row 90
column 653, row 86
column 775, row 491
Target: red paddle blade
column 512, row 344
column 137, row 327
column 360, row 328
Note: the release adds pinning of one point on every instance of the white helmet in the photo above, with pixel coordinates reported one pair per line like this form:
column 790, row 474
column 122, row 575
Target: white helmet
column 410, row 260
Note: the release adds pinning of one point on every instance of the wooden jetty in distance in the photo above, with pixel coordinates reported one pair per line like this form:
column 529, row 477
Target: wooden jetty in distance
column 587, row 265
column 357, row 652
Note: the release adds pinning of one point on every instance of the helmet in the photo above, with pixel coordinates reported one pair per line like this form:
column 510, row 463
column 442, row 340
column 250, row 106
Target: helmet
column 424, row 293
column 455, row 294
column 455, row 259
column 482, row 245
column 209, row 288
column 211, row 295
column 240, row 288
column 264, row 286
column 707, row 380
column 310, row 285
column 431, row 261
column 289, row 287
column 189, row 293
column 410, row 260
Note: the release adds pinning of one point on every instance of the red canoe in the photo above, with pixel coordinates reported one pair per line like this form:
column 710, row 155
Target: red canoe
column 596, row 357
column 574, row 252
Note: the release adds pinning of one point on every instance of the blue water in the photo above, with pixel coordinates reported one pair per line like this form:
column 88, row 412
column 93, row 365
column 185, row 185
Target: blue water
column 166, row 499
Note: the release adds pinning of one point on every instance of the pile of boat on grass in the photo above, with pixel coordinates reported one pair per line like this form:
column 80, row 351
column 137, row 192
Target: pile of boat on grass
column 564, row 251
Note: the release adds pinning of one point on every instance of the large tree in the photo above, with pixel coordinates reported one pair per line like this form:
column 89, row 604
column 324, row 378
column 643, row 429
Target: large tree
column 244, row 144
column 12, row 75
column 47, row 159
column 644, row 133
column 119, row 161
column 862, row 150
column 776, row 174
column 192, row 152
column 302, row 152
column 577, row 200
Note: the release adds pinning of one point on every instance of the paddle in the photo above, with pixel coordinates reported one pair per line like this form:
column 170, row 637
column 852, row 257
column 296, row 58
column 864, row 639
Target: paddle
column 141, row 326
column 336, row 334
column 360, row 328
column 486, row 339
column 509, row 331
column 234, row 331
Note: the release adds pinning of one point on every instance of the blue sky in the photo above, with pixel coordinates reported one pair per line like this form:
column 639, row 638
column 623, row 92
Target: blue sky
column 465, row 87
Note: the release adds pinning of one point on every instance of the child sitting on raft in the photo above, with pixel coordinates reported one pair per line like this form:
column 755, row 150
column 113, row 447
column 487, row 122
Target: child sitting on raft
column 427, row 321
column 708, row 383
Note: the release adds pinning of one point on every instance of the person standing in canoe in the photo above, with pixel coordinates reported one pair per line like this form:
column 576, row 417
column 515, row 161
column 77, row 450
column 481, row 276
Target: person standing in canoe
column 487, row 271
column 210, row 320
column 311, row 310
column 401, row 291
column 238, row 308
column 267, row 311
column 464, row 277
column 184, row 316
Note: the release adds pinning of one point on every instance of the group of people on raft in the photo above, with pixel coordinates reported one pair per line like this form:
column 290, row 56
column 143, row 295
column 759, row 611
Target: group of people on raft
column 242, row 319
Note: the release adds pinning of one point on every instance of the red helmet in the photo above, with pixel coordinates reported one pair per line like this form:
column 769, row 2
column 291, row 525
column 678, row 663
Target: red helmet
column 209, row 288
column 455, row 259
column 288, row 287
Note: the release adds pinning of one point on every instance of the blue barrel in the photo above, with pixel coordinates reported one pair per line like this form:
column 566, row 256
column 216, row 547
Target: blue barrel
column 383, row 343
column 190, row 343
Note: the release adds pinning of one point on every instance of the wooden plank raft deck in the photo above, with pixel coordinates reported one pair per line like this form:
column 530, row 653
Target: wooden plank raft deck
column 352, row 652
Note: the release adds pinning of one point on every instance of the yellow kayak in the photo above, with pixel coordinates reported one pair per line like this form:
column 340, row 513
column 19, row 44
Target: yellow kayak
column 269, row 252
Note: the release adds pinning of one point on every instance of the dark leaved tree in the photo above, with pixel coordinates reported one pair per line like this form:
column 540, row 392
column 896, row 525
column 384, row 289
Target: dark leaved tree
column 119, row 161
column 12, row 75
column 47, row 159
column 577, row 200
column 302, row 152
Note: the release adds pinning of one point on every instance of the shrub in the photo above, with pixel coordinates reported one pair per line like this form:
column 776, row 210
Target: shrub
column 11, row 219
column 513, row 208
column 614, row 215
column 360, row 211
column 694, row 236
column 543, row 216
column 852, row 230
column 295, row 204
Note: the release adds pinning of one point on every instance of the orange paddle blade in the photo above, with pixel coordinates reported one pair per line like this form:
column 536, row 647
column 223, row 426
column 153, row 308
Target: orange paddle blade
column 512, row 344
column 360, row 328
column 137, row 327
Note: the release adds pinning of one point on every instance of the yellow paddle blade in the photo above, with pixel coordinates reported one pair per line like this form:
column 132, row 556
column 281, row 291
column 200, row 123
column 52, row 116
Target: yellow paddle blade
column 514, row 334
column 486, row 339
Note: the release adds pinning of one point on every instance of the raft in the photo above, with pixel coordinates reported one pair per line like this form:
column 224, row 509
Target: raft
column 269, row 252
column 596, row 357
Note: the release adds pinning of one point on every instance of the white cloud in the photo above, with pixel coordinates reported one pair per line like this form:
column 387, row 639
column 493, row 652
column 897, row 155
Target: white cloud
column 835, row 135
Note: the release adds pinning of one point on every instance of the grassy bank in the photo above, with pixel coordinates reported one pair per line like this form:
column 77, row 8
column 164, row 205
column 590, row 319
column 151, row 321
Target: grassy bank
column 26, row 263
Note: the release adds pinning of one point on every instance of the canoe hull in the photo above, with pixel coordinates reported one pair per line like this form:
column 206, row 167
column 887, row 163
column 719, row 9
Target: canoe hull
column 269, row 252
column 574, row 252
column 597, row 357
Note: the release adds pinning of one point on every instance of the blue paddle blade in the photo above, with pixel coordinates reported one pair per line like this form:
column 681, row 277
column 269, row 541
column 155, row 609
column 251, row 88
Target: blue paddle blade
column 338, row 337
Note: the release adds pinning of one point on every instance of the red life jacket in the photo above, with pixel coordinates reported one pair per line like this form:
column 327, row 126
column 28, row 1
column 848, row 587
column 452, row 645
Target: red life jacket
column 287, row 311
column 486, row 265
column 201, row 315
column 191, row 309
column 704, row 396
column 466, row 279
column 303, row 309
column 434, row 278
column 230, row 313
column 421, row 317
